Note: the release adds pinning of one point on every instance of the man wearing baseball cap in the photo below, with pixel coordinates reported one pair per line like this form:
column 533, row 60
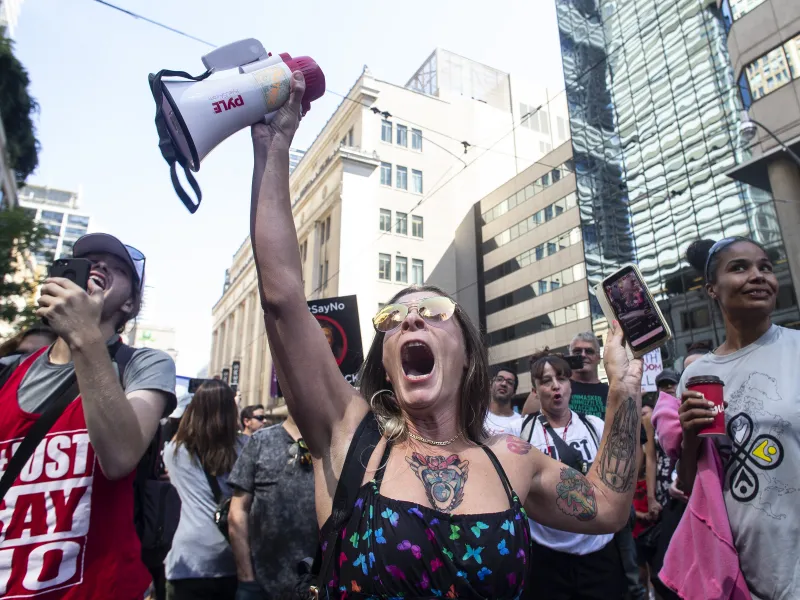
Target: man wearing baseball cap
column 667, row 381
column 68, row 526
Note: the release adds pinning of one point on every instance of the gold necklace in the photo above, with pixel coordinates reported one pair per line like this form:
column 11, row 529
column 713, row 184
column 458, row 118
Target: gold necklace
column 419, row 438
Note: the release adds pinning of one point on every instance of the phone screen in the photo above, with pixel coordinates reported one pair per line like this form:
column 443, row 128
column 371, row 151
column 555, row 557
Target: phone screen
column 634, row 309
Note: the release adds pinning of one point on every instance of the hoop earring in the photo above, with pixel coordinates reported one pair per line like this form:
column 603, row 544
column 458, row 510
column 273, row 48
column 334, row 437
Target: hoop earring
column 372, row 400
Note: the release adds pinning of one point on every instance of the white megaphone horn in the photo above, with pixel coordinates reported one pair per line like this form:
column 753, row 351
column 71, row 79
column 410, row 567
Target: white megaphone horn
column 194, row 114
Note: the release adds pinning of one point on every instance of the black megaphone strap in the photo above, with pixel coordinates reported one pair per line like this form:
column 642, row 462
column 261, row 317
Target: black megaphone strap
column 166, row 144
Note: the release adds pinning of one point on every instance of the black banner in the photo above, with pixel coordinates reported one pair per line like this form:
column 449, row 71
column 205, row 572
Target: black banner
column 226, row 375
column 338, row 318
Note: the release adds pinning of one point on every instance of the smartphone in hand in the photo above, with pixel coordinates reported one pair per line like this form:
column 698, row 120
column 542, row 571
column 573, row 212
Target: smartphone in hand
column 75, row 269
column 625, row 298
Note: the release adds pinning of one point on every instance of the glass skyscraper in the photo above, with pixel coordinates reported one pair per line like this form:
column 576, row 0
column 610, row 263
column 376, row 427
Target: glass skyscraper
column 654, row 114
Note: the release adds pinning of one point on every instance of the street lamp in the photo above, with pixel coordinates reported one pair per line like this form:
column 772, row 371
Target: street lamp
column 748, row 129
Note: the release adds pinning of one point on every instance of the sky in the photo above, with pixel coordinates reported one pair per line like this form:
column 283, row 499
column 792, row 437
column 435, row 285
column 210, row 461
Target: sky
column 88, row 66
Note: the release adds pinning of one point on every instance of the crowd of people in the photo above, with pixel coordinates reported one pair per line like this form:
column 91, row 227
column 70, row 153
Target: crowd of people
column 423, row 481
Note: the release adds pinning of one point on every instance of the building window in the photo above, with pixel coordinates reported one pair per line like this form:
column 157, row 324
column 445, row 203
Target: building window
column 325, row 280
column 695, row 319
column 78, row 220
column 386, row 220
column 401, row 269
column 402, row 136
column 386, row 174
column 385, row 266
column 416, row 181
column 416, row 226
column 350, row 137
column 417, row 271
column 52, row 216
column 546, row 214
column 328, row 228
column 531, row 190
column 386, row 131
column 561, row 127
column 402, row 178
column 321, row 279
column 778, row 67
column 401, row 224
column 560, row 316
column 416, row 139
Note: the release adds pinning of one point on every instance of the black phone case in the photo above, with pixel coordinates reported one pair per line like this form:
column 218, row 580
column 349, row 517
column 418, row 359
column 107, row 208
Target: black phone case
column 75, row 269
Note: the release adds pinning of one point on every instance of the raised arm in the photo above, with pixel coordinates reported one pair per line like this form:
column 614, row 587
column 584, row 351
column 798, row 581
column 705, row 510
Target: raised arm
column 319, row 398
column 599, row 502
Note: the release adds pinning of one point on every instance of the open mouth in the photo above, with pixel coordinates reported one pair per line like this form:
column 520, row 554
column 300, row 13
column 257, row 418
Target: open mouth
column 759, row 293
column 417, row 359
column 557, row 396
column 99, row 279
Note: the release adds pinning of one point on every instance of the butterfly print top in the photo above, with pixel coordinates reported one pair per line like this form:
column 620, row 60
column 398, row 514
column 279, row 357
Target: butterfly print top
column 398, row 549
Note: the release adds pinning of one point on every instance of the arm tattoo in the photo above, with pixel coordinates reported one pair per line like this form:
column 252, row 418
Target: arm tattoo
column 575, row 495
column 442, row 477
column 618, row 461
column 517, row 445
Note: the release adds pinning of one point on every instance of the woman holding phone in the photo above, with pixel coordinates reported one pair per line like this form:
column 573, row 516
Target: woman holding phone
column 758, row 364
column 439, row 510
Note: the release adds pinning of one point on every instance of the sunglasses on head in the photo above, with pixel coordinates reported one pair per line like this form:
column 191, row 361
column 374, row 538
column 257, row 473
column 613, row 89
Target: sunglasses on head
column 433, row 310
column 303, row 454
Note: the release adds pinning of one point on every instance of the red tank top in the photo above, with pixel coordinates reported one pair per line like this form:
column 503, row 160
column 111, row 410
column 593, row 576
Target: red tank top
column 65, row 530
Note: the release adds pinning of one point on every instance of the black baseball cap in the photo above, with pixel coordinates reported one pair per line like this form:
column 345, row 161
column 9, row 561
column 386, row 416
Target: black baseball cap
column 103, row 242
column 667, row 376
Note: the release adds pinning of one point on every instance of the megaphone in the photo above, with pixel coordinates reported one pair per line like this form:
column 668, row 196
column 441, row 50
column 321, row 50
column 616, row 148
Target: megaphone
column 195, row 114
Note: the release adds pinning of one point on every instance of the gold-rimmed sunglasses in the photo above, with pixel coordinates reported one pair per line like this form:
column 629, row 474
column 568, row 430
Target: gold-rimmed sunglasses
column 303, row 453
column 434, row 310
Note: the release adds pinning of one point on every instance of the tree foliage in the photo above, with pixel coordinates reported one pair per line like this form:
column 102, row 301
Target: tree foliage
column 20, row 238
column 17, row 109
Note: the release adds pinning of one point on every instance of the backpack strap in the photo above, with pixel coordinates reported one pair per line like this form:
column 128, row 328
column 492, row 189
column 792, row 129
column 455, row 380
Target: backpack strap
column 68, row 393
column 7, row 370
column 365, row 439
column 529, row 420
column 122, row 355
column 214, row 485
column 590, row 427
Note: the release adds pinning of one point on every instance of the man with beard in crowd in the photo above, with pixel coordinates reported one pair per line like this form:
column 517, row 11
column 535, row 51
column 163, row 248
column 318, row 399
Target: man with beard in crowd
column 501, row 417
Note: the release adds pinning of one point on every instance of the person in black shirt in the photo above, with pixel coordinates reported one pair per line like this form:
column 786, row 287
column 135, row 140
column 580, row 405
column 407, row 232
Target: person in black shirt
column 589, row 395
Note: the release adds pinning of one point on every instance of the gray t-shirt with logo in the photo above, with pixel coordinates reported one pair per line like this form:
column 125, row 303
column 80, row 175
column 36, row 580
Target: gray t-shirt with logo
column 762, row 458
column 283, row 517
column 148, row 369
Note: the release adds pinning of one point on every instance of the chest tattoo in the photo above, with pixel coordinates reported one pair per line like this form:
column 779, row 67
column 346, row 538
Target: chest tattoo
column 442, row 477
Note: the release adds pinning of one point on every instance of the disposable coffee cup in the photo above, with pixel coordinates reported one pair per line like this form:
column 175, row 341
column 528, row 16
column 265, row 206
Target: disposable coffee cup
column 711, row 388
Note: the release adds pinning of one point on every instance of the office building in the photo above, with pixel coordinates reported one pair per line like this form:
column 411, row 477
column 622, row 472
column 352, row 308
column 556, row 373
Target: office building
column 655, row 114
column 149, row 335
column 519, row 265
column 59, row 211
column 764, row 47
column 379, row 194
column 295, row 156
column 9, row 15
